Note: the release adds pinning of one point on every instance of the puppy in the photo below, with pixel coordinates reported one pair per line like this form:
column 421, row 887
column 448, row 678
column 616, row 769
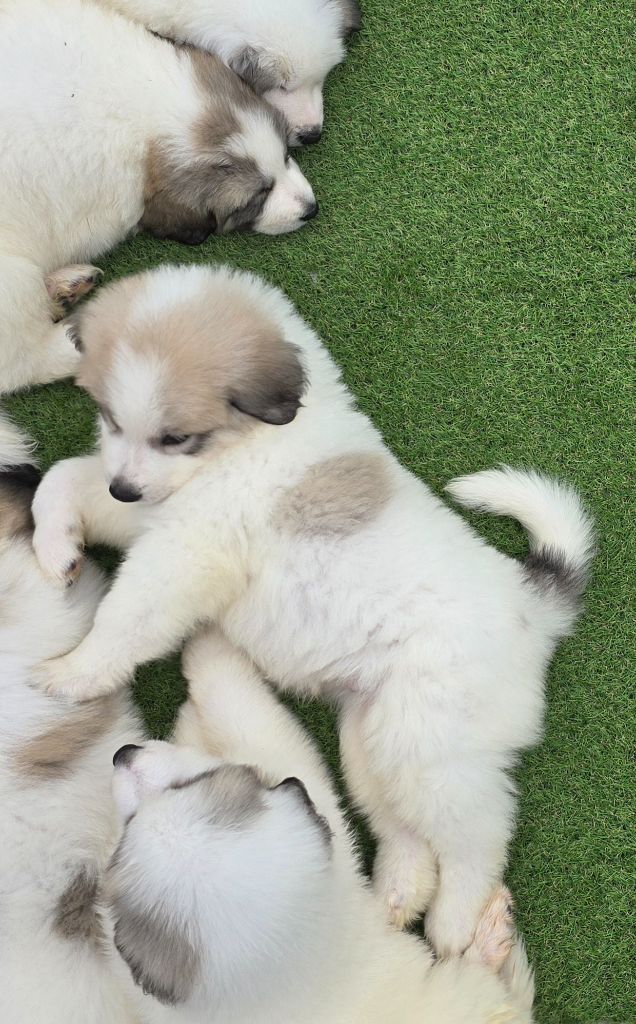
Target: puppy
column 284, row 49
column 118, row 130
column 250, row 491
column 251, row 874
column 227, row 894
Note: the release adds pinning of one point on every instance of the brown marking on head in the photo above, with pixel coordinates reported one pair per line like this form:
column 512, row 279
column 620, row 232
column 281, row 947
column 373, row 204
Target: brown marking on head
column 17, row 487
column 219, row 354
column 336, row 497
column 77, row 914
column 214, row 190
column 52, row 754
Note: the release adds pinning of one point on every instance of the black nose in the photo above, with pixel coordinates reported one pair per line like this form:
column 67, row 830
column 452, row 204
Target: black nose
column 308, row 136
column 311, row 211
column 125, row 754
column 124, row 491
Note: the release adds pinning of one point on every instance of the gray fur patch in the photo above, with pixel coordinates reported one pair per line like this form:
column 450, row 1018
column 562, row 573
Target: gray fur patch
column 336, row 497
column 550, row 569
column 231, row 796
column 53, row 753
column 352, row 16
column 77, row 914
column 258, row 69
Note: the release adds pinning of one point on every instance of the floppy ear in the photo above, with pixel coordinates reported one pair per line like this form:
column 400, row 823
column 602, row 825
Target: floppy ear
column 161, row 959
column 300, row 790
column 166, row 218
column 352, row 16
column 258, row 68
column 272, row 383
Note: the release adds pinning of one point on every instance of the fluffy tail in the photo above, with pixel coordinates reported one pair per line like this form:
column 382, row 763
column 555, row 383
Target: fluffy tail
column 560, row 530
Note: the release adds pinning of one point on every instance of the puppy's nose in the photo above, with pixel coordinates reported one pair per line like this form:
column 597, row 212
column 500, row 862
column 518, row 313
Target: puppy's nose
column 123, row 491
column 311, row 211
column 307, row 136
column 125, row 754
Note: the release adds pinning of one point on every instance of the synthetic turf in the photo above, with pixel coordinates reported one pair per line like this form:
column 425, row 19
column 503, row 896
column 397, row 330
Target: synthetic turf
column 473, row 271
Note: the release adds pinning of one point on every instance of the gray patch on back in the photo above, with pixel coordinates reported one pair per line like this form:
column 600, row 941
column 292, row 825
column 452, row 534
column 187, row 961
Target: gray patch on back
column 336, row 497
column 77, row 914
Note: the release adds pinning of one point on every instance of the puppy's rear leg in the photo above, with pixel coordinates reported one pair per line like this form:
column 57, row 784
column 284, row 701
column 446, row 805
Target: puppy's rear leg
column 33, row 350
column 405, row 869
column 68, row 285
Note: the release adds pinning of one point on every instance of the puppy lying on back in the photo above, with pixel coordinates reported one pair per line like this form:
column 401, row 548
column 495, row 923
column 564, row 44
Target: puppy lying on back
column 118, row 129
column 228, row 896
column 283, row 48
column 250, row 491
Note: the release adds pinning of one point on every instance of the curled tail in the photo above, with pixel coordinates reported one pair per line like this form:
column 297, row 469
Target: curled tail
column 19, row 478
column 560, row 530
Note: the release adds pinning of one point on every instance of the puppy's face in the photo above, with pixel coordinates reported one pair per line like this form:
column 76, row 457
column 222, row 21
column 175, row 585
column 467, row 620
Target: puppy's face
column 182, row 363
column 228, row 171
column 293, row 80
column 214, row 878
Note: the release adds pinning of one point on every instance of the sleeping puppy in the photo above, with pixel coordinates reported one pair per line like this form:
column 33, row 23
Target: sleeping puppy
column 259, row 910
column 227, row 894
column 284, row 49
column 250, row 491
column 118, row 130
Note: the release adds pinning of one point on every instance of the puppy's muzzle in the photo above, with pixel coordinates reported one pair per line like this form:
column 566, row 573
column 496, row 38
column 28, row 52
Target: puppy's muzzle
column 123, row 757
column 123, row 491
column 311, row 211
column 308, row 136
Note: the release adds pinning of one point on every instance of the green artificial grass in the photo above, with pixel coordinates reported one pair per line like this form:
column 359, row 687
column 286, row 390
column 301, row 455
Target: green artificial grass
column 473, row 270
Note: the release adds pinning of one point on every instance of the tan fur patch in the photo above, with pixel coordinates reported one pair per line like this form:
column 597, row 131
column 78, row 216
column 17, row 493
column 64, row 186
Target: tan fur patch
column 217, row 350
column 337, row 496
column 52, row 754
column 76, row 912
column 15, row 512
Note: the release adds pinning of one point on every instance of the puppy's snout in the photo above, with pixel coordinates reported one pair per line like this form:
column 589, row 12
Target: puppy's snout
column 311, row 210
column 124, row 756
column 123, row 491
column 308, row 136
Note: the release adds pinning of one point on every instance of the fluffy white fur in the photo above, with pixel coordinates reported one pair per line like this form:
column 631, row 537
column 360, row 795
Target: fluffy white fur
column 260, row 919
column 434, row 645
column 284, row 48
column 84, row 92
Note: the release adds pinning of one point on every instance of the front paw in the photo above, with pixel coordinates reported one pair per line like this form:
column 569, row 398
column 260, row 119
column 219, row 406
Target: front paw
column 450, row 923
column 68, row 677
column 59, row 551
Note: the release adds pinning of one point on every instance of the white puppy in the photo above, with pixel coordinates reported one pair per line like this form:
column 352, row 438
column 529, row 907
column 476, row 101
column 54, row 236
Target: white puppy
column 229, row 897
column 283, row 48
column 250, row 491
column 106, row 128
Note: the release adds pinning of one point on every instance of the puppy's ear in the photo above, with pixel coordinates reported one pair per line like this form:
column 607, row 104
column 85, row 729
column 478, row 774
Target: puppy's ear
column 299, row 790
column 161, row 959
column 261, row 70
column 166, row 218
column 272, row 383
column 352, row 17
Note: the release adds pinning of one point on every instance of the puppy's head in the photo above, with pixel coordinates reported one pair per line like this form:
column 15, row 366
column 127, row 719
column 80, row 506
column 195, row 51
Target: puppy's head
column 214, row 880
column 228, row 170
column 182, row 362
column 299, row 42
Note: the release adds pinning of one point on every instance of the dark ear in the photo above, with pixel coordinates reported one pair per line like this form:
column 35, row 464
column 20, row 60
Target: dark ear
column 257, row 68
column 161, row 959
column 272, row 383
column 352, row 17
column 165, row 218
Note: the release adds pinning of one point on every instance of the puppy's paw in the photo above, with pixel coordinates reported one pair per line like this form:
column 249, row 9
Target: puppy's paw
column 68, row 285
column 495, row 933
column 450, row 923
column 67, row 677
column 60, row 551
column 404, row 876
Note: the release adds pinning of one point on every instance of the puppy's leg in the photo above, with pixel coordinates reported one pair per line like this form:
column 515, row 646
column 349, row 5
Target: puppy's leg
column 162, row 590
column 67, row 286
column 405, row 869
column 495, row 933
column 33, row 350
column 235, row 715
column 72, row 507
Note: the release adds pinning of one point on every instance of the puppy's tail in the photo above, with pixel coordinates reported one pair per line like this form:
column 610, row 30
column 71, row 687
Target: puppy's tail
column 518, row 977
column 561, row 531
column 19, row 478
